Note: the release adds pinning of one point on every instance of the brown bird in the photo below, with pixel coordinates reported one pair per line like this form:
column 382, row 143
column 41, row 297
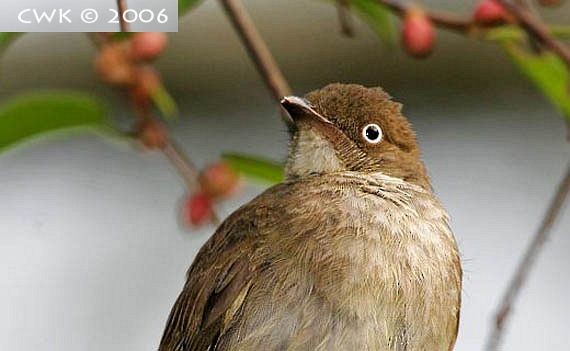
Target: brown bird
column 351, row 252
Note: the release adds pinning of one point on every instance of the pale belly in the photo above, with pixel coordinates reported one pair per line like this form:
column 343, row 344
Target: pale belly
column 395, row 285
column 392, row 306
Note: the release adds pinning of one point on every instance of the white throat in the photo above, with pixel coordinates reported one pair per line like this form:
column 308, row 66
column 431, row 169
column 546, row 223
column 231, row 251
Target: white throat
column 310, row 153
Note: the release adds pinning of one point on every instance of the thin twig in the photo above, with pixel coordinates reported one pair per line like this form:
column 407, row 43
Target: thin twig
column 440, row 19
column 537, row 29
column 121, row 8
column 344, row 18
column 185, row 168
column 182, row 163
column 523, row 269
column 171, row 150
column 523, row 15
column 533, row 42
column 258, row 50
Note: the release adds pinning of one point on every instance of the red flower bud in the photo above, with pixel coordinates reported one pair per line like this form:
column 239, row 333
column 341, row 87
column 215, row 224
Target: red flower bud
column 198, row 209
column 147, row 45
column 113, row 65
column 418, row 35
column 490, row 12
column 219, row 180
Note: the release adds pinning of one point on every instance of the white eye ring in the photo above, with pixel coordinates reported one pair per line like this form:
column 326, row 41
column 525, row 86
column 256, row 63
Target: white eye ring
column 372, row 133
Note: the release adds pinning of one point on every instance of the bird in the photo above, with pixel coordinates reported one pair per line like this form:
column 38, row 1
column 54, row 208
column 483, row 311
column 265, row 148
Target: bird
column 351, row 251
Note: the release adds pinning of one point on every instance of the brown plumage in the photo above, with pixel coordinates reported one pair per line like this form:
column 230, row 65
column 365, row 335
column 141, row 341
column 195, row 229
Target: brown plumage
column 351, row 252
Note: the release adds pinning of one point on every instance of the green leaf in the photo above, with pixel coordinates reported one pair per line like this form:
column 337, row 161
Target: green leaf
column 255, row 167
column 547, row 71
column 377, row 17
column 185, row 5
column 27, row 117
column 510, row 33
column 6, row 38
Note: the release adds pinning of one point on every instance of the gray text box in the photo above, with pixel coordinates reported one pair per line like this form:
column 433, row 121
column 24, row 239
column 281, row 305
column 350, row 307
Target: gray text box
column 87, row 16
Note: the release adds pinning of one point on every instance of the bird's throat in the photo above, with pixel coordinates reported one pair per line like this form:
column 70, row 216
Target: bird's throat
column 309, row 154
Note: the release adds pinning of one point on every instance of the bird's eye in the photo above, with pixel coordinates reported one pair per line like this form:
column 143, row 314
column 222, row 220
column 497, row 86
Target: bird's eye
column 372, row 133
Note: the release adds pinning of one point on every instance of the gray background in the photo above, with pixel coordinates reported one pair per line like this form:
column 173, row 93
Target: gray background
column 91, row 253
column 9, row 11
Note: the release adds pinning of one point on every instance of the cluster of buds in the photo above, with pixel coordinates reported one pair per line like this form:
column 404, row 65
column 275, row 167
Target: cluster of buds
column 418, row 32
column 126, row 64
column 120, row 62
column 216, row 182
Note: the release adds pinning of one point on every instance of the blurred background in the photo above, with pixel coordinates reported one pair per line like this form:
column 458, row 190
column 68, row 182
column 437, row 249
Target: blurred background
column 92, row 254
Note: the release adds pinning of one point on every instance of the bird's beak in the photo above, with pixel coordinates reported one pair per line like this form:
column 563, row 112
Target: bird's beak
column 301, row 110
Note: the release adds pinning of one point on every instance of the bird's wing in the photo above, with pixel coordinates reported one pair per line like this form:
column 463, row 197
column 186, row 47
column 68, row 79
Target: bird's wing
column 216, row 286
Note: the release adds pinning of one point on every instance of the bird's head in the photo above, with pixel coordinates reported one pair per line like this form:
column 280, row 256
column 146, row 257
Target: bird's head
column 348, row 127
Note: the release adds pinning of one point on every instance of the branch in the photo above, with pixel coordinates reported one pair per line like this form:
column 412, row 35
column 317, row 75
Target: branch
column 173, row 152
column 185, row 168
column 537, row 29
column 143, row 112
column 188, row 172
column 538, row 33
column 182, row 163
column 522, row 271
column 519, row 10
column 257, row 50
column 440, row 19
column 344, row 19
column 122, row 7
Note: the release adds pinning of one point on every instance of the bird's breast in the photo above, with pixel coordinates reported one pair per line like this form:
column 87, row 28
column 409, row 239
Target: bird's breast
column 383, row 255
